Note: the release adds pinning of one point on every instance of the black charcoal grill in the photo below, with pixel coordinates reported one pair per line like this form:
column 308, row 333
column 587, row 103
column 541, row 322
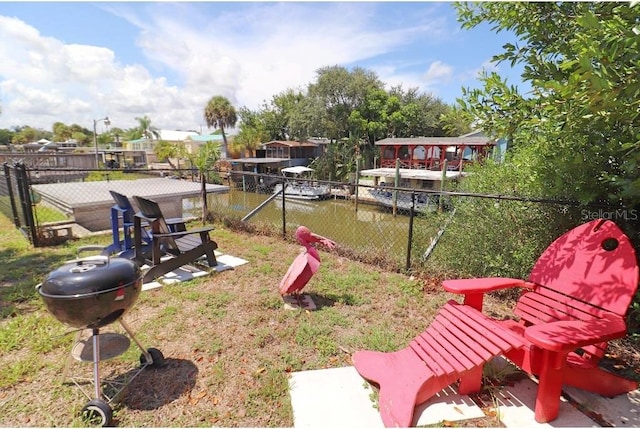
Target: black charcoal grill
column 90, row 293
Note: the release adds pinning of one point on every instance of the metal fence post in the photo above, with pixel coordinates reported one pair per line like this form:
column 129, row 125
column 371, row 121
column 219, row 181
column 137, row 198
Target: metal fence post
column 284, row 215
column 27, row 206
column 12, row 200
column 410, row 238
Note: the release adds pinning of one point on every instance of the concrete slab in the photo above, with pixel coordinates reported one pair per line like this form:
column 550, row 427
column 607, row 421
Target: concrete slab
column 89, row 203
column 446, row 405
column 228, row 262
column 189, row 272
column 621, row 411
column 516, row 405
column 336, row 397
column 340, row 397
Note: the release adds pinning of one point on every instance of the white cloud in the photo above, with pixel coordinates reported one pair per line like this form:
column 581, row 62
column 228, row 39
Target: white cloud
column 248, row 54
column 438, row 72
column 487, row 66
column 252, row 54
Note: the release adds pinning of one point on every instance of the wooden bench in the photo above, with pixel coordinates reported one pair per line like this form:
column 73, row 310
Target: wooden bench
column 574, row 302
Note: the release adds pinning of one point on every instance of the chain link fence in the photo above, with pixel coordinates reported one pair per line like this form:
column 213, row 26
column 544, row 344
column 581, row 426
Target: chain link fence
column 348, row 214
column 430, row 234
column 444, row 232
column 395, row 228
column 52, row 205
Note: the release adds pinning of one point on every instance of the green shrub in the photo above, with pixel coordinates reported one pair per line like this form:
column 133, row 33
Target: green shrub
column 500, row 237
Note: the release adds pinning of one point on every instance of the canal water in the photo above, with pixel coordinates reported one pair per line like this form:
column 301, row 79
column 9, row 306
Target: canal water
column 370, row 228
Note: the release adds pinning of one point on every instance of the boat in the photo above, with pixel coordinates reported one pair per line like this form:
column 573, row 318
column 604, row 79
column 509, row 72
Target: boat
column 299, row 185
column 423, row 202
column 418, row 180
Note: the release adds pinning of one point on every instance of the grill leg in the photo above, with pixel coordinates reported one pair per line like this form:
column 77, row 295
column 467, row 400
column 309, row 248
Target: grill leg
column 135, row 340
column 67, row 365
column 96, row 362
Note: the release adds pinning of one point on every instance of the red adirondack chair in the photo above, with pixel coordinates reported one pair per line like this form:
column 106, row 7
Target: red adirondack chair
column 573, row 303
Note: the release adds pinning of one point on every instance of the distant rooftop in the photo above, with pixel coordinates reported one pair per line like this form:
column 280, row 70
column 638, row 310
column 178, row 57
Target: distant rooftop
column 290, row 143
column 435, row 141
column 180, row 136
column 176, row 136
column 204, row 139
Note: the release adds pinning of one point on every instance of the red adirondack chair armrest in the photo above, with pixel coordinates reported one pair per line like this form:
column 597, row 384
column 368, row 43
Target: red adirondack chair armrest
column 480, row 285
column 474, row 289
column 566, row 336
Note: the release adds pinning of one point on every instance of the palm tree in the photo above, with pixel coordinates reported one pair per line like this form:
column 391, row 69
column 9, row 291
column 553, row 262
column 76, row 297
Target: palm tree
column 146, row 129
column 220, row 113
column 249, row 139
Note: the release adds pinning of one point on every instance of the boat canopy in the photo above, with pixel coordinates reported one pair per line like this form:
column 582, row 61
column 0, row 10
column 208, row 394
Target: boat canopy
column 297, row 170
column 411, row 173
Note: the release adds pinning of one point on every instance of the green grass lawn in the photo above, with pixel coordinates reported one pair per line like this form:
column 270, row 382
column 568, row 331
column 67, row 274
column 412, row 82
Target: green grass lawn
column 229, row 343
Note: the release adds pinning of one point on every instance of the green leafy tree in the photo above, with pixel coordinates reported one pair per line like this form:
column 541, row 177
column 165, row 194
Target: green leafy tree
column 416, row 113
column 6, row 136
column 83, row 139
column 308, row 119
column 117, row 134
column 166, row 151
column 338, row 163
column 375, row 111
column 582, row 114
column 104, row 139
column 61, row 132
column 248, row 139
column 350, row 107
column 277, row 115
column 204, row 160
column 25, row 135
column 340, row 91
column 575, row 135
column 131, row 134
column 82, row 135
column 456, row 122
column 353, row 103
column 251, row 131
column 220, row 113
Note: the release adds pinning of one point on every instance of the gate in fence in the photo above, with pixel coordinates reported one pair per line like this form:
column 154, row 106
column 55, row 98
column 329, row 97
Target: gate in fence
column 16, row 202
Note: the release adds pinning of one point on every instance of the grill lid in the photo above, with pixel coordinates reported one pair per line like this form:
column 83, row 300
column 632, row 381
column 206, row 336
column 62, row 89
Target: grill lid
column 90, row 275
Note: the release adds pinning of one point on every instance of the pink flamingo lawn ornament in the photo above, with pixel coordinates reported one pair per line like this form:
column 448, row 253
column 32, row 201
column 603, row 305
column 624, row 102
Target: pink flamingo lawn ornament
column 305, row 265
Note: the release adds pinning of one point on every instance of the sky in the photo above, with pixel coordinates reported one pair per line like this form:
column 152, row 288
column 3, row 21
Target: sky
column 79, row 62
